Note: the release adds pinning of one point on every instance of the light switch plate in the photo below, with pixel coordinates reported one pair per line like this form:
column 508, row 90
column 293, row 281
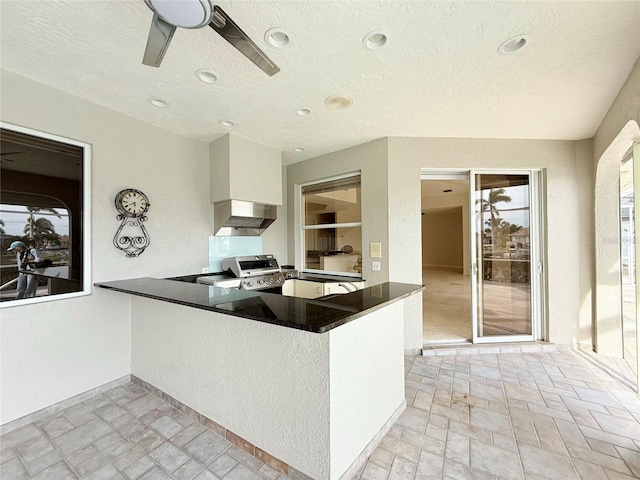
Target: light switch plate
column 375, row 266
column 375, row 250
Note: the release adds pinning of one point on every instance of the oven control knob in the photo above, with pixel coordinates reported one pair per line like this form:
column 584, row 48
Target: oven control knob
column 249, row 284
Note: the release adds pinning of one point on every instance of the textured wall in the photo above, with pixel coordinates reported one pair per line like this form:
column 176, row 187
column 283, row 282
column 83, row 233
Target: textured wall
column 266, row 383
column 54, row 350
column 614, row 137
column 371, row 160
column 366, row 382
column 564, row 215
column 453, row 200
column 244, row 170
column 442, row 237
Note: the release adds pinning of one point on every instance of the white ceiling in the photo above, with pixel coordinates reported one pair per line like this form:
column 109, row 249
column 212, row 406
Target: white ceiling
column 438, row 76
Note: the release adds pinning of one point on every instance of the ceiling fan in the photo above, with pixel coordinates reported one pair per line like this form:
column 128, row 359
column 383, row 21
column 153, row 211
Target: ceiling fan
column 169, row 14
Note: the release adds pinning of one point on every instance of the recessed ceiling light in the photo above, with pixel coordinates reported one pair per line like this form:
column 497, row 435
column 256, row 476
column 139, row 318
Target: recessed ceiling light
column 158, row 102
column 303, row 112
column 374, row 40
column 298, row 149
column 206, row 76
column 226, row 123
column 277, row 37
column 338, row 102
column 514, row 44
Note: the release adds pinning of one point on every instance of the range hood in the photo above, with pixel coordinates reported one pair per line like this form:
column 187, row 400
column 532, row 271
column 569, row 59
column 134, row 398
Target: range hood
column 242, row 218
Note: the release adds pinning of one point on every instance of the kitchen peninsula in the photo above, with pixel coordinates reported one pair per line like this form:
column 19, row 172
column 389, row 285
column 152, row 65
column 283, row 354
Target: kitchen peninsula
column 307, row 386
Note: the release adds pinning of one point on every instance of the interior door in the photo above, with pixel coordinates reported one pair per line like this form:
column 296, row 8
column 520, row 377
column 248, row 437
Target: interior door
column 506, row 266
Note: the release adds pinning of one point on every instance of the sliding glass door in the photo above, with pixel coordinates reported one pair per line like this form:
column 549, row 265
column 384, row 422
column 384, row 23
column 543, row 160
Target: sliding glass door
column 506, row 266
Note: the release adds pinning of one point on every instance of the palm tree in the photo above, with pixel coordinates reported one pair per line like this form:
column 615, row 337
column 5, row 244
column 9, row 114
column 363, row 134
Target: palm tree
column 496, row 195
column 42, row 230
column 30, row 227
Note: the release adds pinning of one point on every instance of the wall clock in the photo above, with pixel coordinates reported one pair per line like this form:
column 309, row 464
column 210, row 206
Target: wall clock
column 132, row 237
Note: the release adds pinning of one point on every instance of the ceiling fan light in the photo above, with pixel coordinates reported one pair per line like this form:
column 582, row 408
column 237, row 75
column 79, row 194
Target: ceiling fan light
column 277, row 37
column 182, row 13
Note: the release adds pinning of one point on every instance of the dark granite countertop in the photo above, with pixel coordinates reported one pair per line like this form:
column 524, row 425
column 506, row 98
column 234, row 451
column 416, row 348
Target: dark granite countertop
column 317, row 316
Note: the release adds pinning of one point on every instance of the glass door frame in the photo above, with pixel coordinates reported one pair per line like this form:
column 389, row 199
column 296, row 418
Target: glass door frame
column 537, row 249
column 536, row 256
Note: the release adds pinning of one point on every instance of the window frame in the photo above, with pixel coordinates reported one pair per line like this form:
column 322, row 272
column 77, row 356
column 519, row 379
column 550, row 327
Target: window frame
column 85, row 216
column 302, row 228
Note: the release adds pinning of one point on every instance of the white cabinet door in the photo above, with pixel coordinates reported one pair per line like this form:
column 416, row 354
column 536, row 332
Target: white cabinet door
column 305, row 289
column 289, row 288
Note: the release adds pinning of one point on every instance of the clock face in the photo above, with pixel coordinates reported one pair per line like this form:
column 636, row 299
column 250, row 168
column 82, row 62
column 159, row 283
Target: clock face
column 132, row 202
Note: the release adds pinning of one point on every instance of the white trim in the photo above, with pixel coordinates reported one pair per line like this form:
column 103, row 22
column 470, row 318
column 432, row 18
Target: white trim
column 86, row 216
column 539, row 327
column 535, row 229
column 635, row 156
column 328, row 179
column 300, row 227
column 322, row 226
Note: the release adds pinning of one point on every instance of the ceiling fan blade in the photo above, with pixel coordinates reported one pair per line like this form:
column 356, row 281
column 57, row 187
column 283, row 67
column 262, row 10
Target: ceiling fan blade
column 232, row 33
column 160, row 35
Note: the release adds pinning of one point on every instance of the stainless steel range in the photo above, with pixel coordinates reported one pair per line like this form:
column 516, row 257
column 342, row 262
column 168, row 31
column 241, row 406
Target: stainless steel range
column 251, row 272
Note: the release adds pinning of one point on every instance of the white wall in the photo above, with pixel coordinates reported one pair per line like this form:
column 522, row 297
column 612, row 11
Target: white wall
column 366, row 382
column 455, row 200
column 564, row 215
column 289, row 368
column 614, row 137
column 54, row 350
column 245, row 170
column 274, row 238
column 442, row 237
column 369, row 158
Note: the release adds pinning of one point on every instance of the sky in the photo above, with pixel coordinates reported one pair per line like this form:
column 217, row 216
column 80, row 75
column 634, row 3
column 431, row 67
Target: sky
column 14, row 223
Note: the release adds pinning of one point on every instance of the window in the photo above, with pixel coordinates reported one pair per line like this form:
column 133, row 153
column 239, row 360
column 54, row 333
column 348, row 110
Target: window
column 331, row 226
column 44, row 204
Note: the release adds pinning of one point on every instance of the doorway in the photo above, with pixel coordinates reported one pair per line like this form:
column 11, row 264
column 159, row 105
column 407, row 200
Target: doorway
column 445, row 259
column 481, row 257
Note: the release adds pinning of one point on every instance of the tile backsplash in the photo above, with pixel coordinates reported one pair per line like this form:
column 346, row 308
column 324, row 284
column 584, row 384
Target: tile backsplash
column 222, row 247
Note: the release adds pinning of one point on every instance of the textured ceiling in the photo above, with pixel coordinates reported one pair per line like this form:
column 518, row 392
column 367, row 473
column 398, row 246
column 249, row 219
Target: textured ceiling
column 438, row 75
